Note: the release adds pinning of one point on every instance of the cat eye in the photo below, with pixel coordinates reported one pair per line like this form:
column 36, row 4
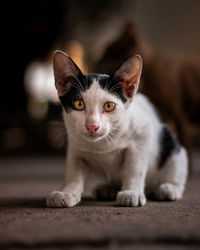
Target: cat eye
column 109, row 106
column 79, row 105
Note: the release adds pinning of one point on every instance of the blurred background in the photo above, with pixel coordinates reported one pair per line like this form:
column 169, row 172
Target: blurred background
column 97, row 35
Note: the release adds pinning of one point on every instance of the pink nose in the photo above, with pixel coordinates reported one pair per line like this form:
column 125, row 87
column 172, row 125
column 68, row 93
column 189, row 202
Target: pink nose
column 92, row 128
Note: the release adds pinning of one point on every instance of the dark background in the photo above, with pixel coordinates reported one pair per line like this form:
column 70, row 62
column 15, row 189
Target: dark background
column 32, row 148
column 31, row 30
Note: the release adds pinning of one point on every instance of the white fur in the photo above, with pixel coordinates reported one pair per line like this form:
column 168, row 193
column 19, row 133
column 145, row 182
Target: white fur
column 124, row 149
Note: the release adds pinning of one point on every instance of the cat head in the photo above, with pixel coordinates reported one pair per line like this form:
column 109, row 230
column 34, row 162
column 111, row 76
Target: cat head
column 94, row 104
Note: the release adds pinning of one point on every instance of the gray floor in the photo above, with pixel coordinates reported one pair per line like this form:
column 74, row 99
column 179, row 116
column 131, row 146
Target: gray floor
column 26, row 222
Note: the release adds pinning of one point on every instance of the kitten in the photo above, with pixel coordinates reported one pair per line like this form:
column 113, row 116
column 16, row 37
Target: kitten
column 116, row 133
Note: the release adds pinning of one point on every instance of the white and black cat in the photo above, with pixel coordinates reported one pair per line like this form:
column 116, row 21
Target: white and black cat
column 116, row 133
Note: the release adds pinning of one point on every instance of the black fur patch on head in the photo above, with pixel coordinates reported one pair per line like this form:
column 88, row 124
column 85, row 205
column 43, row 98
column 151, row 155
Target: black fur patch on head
column 107, row 83
column 112, row 85
column 84, row 82
column 77, row 86
column 168, row 144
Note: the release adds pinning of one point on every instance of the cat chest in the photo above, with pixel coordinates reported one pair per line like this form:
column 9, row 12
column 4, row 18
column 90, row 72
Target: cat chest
column 107, row 164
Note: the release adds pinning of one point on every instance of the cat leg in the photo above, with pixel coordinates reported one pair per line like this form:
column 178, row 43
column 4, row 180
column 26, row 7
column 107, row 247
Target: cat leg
column 70, row 195
column 172, row 177
column 133, row 178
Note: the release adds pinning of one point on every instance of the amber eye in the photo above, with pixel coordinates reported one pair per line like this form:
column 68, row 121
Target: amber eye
column 79, row 105
column 109, row 106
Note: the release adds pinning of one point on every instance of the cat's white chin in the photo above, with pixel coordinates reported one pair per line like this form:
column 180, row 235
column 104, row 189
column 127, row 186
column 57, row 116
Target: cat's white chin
column 94, row 137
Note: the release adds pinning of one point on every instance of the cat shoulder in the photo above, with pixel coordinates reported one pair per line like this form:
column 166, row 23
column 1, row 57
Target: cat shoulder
column 145, row 106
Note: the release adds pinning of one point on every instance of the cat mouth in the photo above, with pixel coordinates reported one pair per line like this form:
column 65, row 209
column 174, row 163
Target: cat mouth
column 94, row 137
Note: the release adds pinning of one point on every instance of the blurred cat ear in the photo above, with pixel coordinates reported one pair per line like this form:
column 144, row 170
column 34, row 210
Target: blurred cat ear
column 128, row 75
column 65, row 70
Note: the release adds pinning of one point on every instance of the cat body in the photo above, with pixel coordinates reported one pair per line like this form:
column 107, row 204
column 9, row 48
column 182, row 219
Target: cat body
column 117, row 134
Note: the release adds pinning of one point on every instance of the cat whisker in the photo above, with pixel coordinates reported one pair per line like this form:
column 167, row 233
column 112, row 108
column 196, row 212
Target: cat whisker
column 108, row 83
column 109, row 139
column 76, row 86
column 115, row 133
column 85, row 83
column 79, row 83
column 71, row 131
column 116, row 86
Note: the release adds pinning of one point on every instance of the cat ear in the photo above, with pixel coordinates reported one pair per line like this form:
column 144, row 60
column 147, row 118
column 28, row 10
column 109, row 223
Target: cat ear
column 128, row 75
column 65, row 70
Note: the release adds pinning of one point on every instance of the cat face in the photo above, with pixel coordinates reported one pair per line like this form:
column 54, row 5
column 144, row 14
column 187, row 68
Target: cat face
column 95, row 103
column 96, row 112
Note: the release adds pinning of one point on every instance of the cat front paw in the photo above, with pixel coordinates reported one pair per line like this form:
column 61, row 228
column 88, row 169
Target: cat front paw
column 168, row 192
column 61, row 199
column 130, row 199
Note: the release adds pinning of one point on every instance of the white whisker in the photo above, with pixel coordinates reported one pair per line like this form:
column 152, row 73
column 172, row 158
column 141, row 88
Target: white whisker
column 116, row 86
column 79, row 83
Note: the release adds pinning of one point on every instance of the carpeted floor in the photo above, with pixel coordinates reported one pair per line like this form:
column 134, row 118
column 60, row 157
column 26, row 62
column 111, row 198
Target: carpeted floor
column 26, row 222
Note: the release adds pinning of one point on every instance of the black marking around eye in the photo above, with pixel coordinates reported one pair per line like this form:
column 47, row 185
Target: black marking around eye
column 168, row 144
column 113, row 86
column 76, row 87
column 84, row 82
column 69, row 99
